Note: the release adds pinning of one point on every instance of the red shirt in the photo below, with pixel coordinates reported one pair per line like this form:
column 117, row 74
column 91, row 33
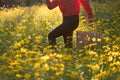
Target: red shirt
column 70, row 7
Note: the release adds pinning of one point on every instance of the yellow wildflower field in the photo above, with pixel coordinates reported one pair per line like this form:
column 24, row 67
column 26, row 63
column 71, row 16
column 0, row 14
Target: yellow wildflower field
column 26, row 55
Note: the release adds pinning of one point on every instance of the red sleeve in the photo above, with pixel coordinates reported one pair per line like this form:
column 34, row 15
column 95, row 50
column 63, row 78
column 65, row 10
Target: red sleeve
column 52, row 4
column 86, row 5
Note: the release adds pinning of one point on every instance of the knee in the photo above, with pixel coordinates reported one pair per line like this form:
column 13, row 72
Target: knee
column 51, row 39
column 50, row 35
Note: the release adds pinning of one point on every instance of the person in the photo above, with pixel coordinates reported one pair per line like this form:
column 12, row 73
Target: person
column 70, row 11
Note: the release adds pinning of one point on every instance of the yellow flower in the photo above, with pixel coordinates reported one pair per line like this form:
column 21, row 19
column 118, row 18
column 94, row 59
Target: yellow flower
column 57, row 64
column 114, row 36
column 37, row 39
column 36, row 65
column 98, row 22
column 110, row 58
column 27, row 76
column 18, row 55
column 95, row 67
column 83, row 21
column 46, row 67
column 117, row 62
column 45, row 58
column 107, row 48
column 91, row 52
column 117, row 38
column 10, row 67
column 93, row 39
column 102, row 74
column 62, row 65
column 116, row 47
column 59, row 56
column 74, row 74
column 62, row 69
column 20, row 67
column 106, row 31
column 99, row 39
column 114, row 69
column 52, row 58
column 67, row 57
column 107, row 39
column 53, row 68
column 13, row 63
column 24, row 28
column 23, row 50
column 87, row 38
column 82, row 17
column 58, row 73
column 52, row 77
column 36, row 74
column 18, row 75
column 17, row 44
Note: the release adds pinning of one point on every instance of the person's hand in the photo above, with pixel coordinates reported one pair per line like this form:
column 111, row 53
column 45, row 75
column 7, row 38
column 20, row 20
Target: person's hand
column 90, row 20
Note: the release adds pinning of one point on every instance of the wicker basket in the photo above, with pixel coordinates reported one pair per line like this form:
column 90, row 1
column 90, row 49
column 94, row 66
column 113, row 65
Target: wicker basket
column 87, row 39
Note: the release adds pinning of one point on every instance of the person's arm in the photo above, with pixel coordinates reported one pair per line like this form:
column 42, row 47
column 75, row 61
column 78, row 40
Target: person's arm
column 52, row 4
column 86, row 5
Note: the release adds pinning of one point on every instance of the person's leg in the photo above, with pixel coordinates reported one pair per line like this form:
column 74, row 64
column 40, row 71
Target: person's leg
column 65, row 29
column 59, row 31
column 72, row 24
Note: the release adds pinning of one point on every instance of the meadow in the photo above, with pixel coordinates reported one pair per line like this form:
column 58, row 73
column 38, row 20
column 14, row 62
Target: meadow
column 26, row 55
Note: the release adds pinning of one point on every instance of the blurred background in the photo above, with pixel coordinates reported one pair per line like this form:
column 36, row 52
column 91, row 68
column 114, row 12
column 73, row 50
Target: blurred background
column 12, row 3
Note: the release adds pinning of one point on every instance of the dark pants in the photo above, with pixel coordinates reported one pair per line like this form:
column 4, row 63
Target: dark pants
column 70, row 23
